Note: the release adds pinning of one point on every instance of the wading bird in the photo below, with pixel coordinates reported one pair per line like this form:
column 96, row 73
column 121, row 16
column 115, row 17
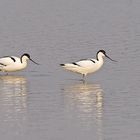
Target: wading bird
column 86, row 66
column 13, row 63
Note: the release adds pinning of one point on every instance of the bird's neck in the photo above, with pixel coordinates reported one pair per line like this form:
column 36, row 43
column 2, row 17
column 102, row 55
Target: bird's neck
column 99, row 58
column 24, row 63
column 22, row 60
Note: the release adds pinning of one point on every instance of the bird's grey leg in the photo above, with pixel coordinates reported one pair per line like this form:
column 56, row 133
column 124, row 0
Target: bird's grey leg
column 83, row 77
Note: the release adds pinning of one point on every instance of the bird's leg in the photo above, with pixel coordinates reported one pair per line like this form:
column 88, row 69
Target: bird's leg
column 83, row 77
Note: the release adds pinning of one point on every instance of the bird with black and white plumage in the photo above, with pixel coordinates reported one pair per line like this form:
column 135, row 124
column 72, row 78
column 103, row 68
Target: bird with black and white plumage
column 13, row 63
column 87, row 66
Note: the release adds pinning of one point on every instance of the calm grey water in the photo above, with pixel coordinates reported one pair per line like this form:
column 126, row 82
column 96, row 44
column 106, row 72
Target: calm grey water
column 47, row 103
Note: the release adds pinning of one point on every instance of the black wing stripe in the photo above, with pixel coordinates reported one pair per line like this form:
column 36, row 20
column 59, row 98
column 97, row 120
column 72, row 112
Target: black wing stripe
column 74, row 63
column 2, row 64
column 92, row 60
column 10, row 57
column 13, row 59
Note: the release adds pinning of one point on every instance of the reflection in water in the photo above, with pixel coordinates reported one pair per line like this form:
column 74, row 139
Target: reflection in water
column 13, row 84
column 13, row 98
column 87, row 100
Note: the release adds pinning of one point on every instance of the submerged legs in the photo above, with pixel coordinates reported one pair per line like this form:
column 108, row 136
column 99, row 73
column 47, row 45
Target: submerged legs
column 83, row 79
column 83, row 76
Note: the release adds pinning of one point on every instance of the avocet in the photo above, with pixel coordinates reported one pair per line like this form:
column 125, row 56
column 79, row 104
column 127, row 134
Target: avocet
column 86, row 66
column 13, row 63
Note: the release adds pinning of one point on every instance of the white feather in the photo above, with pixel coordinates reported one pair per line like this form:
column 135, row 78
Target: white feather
column 86, row 66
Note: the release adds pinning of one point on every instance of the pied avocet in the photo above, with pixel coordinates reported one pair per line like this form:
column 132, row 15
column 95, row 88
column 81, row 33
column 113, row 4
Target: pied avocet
column 13, row 63
column 86, row 66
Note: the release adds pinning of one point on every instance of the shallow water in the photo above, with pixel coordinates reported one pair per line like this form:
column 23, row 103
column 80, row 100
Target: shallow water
column 46, row 102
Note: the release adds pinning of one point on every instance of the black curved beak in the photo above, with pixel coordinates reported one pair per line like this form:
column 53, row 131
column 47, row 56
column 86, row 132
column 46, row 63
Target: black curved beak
column 110, row 58
column 34, row 62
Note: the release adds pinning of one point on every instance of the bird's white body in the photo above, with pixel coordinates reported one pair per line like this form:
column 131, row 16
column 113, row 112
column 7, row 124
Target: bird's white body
column 13, row 63
column 87, row 66
column 84, row 67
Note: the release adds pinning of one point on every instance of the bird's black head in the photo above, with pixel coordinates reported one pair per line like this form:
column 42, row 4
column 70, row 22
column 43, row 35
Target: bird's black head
column 26, row 54
column 102, row 51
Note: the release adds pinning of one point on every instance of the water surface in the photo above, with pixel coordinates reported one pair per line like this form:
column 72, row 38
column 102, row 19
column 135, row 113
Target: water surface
column 46, row 102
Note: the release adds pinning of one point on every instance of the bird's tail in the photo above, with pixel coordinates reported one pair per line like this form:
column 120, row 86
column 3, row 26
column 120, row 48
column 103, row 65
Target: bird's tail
column 62, row 65
column 67, row 65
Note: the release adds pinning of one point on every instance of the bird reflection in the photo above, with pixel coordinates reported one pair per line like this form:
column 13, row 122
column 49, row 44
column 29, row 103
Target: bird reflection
column 13, row 96
column 13, row 84
column 87, row 100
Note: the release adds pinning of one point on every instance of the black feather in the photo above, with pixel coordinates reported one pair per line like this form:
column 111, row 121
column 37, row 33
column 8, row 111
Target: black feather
column 62, row 64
